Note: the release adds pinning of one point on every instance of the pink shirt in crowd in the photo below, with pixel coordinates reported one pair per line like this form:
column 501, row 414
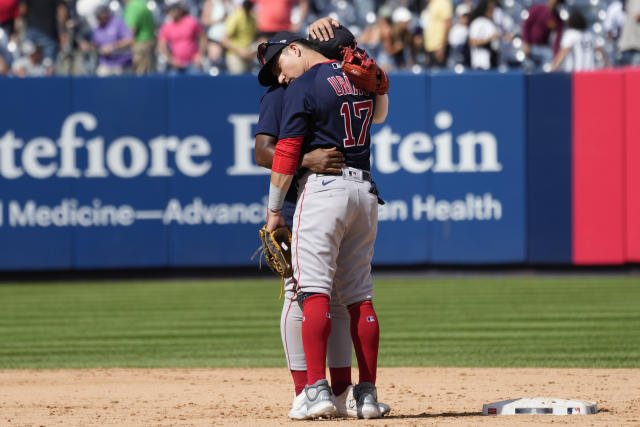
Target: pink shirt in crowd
column 274, row 15
column 539, row 25
column 183, row 38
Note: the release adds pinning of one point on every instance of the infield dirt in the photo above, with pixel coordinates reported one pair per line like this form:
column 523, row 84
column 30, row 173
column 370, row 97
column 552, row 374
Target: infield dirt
column 202, row 397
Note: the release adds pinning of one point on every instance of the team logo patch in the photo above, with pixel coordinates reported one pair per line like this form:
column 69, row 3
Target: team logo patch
column 371, row 319
column 303, row 318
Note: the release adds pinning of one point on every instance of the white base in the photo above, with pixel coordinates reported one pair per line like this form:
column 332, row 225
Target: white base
column 540, row 406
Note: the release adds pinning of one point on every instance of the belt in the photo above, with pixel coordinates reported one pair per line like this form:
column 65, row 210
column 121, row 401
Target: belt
column 351, row 174
column 358, row 175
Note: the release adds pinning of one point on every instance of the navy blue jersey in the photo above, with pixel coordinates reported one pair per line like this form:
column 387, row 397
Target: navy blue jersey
column 269, row 124
column 270, row 111
column 325, row 108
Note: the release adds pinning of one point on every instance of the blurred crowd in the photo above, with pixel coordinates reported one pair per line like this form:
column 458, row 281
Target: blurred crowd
column 114, row 37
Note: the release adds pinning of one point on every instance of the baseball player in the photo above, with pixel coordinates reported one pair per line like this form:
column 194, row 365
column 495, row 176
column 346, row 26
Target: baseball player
column 326, row 160
column 335, row 220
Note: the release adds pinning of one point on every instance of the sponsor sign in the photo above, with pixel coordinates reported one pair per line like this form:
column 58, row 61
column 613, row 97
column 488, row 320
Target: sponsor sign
column 139, row 172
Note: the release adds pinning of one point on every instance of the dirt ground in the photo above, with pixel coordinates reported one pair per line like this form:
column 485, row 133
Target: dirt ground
column 201, row 397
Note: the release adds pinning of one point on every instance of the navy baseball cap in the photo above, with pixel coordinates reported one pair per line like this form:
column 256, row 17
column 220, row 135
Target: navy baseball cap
column 267, row 51
column 332, row 48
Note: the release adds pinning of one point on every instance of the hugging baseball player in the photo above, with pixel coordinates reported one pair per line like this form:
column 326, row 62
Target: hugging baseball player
column 334, row 225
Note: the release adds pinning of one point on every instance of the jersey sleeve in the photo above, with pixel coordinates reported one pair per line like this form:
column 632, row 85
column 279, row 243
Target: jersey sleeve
column 270, row 112
column 296, row 119
column 297, row 110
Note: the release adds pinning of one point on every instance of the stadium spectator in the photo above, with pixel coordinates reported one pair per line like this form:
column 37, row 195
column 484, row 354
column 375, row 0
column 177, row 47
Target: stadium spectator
column 86, row 11
column 32, row 63
column 397, row 38
column 374, row 37
column 214, row 15
column 9, row 11
column 543, row 20
column 4, row 53
column 113, row 40
column 436, row 24
column 459, row 37
column 629, row 43
column 484, row 36
column 139, row 19
column 241, row 31
column 612, row 26
column 275, row 15
column 578, row 46
column 44, row 20
column 181, row 40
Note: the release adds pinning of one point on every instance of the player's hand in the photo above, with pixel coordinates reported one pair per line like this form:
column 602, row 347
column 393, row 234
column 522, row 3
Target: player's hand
column 324, row 160
column 274, row 220
column 322, row 29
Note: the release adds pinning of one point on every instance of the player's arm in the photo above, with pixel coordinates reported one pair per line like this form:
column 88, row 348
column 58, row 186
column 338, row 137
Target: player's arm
column 382, row 109
column 285, row 163
column 320, row 160
column 263, row 149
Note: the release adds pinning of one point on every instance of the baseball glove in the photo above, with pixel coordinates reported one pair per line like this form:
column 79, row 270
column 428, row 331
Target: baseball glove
column 363, row 71
column 276, row 248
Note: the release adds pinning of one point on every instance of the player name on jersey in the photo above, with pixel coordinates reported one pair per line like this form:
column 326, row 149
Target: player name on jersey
column 343, row 86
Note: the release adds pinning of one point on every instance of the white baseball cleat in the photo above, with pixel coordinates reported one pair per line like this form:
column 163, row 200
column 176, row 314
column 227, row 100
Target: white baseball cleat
column 299, row 409
column 316, row 401
column 366, row 397
column 347, row 405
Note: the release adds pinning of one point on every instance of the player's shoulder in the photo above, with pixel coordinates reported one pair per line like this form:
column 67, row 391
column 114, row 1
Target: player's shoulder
column 323, row 70
column 314, row 78
column 274, row 93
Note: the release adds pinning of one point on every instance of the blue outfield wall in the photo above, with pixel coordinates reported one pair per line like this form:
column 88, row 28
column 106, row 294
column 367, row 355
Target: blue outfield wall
column 159, row 171
column 549, row 166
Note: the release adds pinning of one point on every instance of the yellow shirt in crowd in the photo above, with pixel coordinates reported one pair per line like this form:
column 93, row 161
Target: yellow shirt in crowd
column 241, row 29
column 438, row 12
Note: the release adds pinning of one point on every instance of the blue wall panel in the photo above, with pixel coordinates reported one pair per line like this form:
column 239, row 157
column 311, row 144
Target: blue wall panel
column 227, row 202
column 549, row 159
column 478, row 190
column 398, row 167
column 129, row 113
column 31, row 114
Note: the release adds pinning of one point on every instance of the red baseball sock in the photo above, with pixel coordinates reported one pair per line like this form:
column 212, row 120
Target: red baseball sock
column 340, row 379
column 365, row 333
column 299, row 380
column 316, row 326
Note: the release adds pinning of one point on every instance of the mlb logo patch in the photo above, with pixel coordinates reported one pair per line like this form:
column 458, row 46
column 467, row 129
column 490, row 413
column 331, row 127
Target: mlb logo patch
column 371, row 319
column 327, row 315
